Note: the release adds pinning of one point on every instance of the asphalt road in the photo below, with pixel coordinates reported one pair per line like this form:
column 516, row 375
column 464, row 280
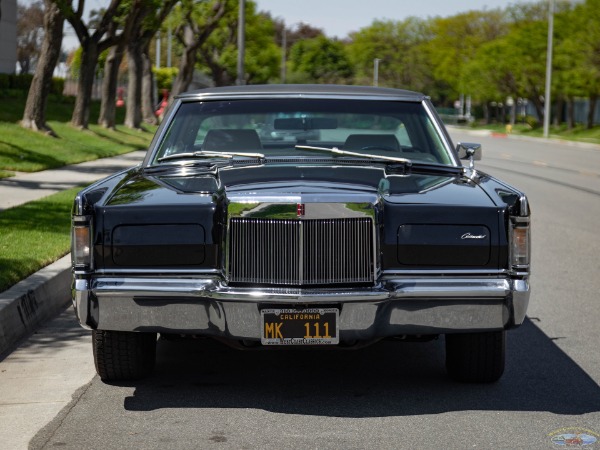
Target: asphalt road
column 391, row 395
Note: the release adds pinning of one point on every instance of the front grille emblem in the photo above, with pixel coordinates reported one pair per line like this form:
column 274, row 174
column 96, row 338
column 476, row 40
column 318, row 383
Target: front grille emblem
column 300, row 209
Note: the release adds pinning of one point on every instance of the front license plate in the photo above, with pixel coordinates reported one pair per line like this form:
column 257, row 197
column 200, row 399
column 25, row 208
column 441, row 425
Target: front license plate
column 311, row 326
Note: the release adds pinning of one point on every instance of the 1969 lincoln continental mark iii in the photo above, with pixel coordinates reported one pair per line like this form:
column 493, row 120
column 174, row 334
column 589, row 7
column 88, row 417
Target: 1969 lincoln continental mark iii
column 302, row 216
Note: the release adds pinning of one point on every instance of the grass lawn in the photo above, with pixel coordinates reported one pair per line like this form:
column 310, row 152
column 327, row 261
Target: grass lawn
column 34, row 235
column 30, row 151
column 38, row 233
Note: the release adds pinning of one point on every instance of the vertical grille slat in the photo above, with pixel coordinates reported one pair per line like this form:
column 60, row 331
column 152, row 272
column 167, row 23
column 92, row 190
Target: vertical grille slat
column 301, row 252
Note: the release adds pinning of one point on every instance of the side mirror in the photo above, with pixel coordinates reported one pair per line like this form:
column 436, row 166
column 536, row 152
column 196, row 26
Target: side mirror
column 470, row 151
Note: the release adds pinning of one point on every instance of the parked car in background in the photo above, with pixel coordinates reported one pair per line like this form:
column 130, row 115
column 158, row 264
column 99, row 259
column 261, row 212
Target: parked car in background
column 293, row 215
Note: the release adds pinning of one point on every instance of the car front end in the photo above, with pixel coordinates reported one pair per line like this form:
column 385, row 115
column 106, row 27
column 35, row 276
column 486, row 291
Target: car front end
column 371, row 230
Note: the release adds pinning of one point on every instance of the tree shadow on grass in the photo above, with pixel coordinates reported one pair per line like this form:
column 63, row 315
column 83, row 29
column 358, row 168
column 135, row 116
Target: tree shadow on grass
column 109, row 137
column 47, row 216
column 20, row 155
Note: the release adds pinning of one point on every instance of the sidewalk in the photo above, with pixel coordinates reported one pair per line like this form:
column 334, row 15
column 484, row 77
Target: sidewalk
column 25, row 306
column 25, row 187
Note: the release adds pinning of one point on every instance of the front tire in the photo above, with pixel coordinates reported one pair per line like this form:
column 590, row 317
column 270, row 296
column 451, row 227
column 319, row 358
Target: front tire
column 123, row 355
column 476, row 357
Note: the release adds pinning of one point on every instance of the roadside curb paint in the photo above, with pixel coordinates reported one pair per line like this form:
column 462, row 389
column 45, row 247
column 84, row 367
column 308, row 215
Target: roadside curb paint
column 32, row 301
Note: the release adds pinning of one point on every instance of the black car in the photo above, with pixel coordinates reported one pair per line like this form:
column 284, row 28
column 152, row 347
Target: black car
column 299, row 215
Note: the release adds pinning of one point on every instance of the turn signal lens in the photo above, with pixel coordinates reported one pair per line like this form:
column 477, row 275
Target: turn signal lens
column 520, row 247
column 80, row 251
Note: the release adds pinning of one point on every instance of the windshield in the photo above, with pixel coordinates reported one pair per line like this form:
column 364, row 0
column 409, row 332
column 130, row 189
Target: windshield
column 280, row 127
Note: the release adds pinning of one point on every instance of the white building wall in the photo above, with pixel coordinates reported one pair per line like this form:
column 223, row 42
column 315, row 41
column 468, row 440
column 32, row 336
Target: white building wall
column 8, row 36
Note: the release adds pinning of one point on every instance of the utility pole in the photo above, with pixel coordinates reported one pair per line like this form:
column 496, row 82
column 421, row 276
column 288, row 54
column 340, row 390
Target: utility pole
column 376, row 72
column 547, row 102
column 241, row 43
column 283, row 52
column 169, row 46
column 158, row 50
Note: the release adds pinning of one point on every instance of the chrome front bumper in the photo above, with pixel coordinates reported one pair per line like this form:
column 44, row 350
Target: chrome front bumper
column 395, row 307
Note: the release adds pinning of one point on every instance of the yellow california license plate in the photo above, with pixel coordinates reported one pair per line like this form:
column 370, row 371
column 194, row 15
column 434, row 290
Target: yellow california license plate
column 310, row 326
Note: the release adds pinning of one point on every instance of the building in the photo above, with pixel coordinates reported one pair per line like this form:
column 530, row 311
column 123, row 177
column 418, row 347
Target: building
column 8, row 36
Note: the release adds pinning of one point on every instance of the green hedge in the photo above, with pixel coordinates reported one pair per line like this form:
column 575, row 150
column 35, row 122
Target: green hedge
column 10, row 82
column 165, row 77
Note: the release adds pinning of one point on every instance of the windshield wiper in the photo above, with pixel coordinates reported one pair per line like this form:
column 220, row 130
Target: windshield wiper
column 207, row 161
column 337, row 151
column 210, row 154
column 428, row 167
column 204, row 166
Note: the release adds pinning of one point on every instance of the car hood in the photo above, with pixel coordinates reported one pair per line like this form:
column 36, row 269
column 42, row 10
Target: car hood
column 422, row 218
column 308, row 182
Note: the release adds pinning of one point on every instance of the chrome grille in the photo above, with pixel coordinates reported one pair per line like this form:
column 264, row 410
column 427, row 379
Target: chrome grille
column 301, row 252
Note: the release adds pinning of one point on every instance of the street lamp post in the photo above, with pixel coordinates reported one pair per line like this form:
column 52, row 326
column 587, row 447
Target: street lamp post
column 547, row 101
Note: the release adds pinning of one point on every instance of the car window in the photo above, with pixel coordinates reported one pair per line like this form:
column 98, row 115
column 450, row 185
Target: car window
column 275, row 127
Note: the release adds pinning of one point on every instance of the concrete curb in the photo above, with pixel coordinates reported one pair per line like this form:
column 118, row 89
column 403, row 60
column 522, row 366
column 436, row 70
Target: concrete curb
column 32, row 301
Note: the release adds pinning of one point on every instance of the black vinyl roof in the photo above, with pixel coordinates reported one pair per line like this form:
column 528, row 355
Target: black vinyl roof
column 302, row 90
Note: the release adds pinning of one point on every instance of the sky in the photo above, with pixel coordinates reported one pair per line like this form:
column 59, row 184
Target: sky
column 338, row 18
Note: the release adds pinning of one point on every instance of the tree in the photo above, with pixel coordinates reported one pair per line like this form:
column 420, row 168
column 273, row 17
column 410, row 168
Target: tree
column 218, row 55
column 135, row 49
column 107, row 116
column 455, row 41
column 585, row 41
column 320, row 60
column 34, row 116
column 140, row 91
column 493, row 74
column 93, row 42
column 294, row 33
column 569, row 75
column 198, row 21
column 399, row 47
column 30, row 34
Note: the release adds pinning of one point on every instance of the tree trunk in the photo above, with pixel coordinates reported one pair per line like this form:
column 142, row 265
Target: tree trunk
column 89, row 59
column 25, row 65
column 186, row 70
column 539, row 106
column 192, row 38
column 560, row 106
column 592, row 111
column 108, row 109
column 148, row 93
column 218, row 74
column 133, row 115
column 34, row 116
column 571, row 112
